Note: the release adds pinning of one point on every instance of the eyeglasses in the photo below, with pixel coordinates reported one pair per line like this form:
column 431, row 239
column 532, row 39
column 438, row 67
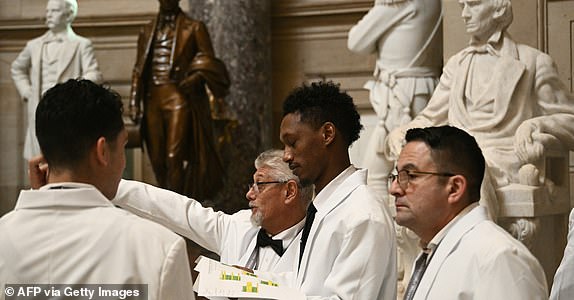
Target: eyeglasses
column 255, row 185
column 404, row 176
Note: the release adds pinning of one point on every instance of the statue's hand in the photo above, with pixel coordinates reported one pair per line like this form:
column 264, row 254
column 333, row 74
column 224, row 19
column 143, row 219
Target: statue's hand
column 394, row 144
column 192, row 84
column 27, row 96
column 527, row 147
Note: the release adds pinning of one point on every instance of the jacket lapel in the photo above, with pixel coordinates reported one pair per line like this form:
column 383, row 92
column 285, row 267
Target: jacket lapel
column 447, row 246
column 507, row 74
column 67, row 54
column 37, row 66
column 339, row 195
column 245, row 258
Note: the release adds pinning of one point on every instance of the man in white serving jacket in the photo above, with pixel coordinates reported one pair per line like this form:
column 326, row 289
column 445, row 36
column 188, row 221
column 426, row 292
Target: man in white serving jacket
column 464, row 254
column 348, row 247
column 563, row 286
column 68, row 231
column 277, row 201
column 54, row 57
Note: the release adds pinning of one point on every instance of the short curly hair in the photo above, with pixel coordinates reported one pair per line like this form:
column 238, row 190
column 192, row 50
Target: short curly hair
column 322, row 102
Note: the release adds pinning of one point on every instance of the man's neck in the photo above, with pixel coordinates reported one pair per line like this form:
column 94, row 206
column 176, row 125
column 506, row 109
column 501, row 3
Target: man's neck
column 61, row 31
column 492, row 37
column 286, row 224
column 331, row 173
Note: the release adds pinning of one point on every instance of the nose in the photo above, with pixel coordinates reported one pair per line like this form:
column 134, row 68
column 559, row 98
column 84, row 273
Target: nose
column 395, row 189
column 287, row 156
column 250, row 195
column 465, row 14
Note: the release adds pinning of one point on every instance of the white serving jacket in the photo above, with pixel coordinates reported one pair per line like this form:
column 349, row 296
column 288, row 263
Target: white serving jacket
column 563, row 286
column 351, row 249
column 477, row 259
column 77, row 236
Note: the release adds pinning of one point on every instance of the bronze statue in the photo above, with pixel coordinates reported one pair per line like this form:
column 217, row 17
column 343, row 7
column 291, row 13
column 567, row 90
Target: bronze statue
column 174, row 68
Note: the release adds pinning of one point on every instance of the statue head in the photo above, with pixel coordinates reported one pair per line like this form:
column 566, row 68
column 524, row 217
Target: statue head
column 60, row 14
column 485, row 17
column 168, row 5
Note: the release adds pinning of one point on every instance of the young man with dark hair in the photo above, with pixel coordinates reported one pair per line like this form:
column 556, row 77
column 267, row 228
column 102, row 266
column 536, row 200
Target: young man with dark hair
column 348, row 247
column 68, row 231
column 437, row 189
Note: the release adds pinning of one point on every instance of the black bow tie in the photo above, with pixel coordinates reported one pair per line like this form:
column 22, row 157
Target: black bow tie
column 263, row 240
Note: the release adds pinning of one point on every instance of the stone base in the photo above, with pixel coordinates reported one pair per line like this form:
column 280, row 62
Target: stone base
column 517, row 200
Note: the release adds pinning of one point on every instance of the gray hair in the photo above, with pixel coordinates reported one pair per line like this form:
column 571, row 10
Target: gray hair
column 506, row 19
column 71, row 5
column 279, row 170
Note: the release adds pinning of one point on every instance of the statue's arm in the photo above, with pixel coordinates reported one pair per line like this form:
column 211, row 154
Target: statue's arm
column 380, row 19
column 202, row 39
column 434, row 114
column 90, row 68
column 20, row 69
column 135, row 93
column 556, row 114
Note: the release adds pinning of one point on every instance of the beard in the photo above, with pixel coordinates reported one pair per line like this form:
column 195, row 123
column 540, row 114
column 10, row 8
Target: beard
column 257, row 218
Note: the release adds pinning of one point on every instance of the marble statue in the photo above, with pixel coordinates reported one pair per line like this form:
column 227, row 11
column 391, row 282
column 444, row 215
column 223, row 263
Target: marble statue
column 54, row 57
column 175, row 72
column 406, row 36
column 509, row 97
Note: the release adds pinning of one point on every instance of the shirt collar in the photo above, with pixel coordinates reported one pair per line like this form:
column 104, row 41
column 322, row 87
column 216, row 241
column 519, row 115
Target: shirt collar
column 56, row 37
column 492, row 46
column 288, row 235
column 433, row 244
column 321, row 198
column 62, row 194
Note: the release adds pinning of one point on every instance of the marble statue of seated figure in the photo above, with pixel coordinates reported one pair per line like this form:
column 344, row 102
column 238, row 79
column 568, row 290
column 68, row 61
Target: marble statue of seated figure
column 509, row 97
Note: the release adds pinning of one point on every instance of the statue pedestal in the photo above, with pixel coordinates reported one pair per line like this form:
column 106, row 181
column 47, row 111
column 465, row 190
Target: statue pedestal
column 517, row 200
column 538, row 219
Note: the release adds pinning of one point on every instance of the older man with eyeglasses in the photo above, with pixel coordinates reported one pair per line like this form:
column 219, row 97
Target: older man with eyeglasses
column 264, row 238
column 464, row 254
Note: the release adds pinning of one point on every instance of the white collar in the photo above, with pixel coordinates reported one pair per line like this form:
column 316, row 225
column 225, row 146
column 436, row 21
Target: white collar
column 324, row 195
column 288, row 235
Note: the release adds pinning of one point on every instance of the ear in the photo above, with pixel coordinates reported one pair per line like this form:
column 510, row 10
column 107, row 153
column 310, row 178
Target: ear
column 329, row 131
column 456, row 188
column 499, row 12
column 102, row 151
column 292, row 192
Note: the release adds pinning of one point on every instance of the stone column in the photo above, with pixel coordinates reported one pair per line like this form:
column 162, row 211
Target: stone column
column 241, row 35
